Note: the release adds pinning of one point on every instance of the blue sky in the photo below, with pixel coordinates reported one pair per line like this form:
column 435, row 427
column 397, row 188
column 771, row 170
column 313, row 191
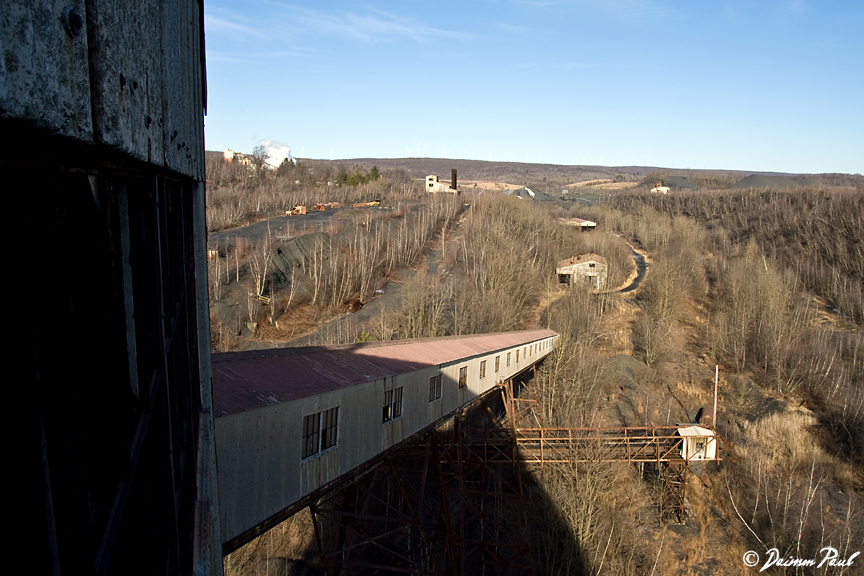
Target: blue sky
column 745, row 85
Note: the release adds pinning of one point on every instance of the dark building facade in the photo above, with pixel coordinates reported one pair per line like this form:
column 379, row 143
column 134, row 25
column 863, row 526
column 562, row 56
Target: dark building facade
column 102, row 156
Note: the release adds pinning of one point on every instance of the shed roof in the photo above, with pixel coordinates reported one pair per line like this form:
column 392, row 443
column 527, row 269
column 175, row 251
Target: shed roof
column 581, row 259
column 577, row 222
column 695, row 431
column 248, row 380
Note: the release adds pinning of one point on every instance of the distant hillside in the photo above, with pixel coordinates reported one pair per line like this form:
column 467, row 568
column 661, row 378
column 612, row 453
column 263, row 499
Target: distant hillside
column 549, row 177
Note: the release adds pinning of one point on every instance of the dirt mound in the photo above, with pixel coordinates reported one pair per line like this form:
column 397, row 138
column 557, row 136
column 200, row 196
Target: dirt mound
column 297, row 253
column 765, row 181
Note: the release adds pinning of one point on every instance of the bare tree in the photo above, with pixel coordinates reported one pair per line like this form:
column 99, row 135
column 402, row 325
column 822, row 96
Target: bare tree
column 260, row 263
column 259, row 158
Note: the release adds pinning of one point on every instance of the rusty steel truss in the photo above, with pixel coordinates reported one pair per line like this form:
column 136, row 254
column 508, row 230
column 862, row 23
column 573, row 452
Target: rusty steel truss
column 452, row 500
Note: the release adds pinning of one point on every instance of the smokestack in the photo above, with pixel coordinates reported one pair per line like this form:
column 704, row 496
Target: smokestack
column 453, row 178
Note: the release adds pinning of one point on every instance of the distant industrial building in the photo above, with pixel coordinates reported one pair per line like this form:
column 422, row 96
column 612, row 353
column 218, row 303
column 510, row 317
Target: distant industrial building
column 580, row 223
column 589, row 268
column 232, row 157
column 240, row 159
column 660, row 189
column 435, row 186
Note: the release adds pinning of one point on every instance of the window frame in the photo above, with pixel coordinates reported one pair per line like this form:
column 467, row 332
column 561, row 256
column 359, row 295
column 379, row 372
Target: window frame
column 463, row 377
column 392, row 409
column 311, row 437
column 329, row 436
column 435, row 386
column 320, row 433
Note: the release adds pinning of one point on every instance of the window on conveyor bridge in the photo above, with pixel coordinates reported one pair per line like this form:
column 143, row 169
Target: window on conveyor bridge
column 392, row 404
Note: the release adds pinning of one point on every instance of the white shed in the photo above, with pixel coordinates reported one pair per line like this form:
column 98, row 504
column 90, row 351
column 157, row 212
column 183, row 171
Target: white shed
column 698, row 444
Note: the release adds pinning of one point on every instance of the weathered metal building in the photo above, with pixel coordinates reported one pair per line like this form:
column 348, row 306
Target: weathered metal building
column 579, row 223
column 589, row 268
column 101, row 112
column 291, row 421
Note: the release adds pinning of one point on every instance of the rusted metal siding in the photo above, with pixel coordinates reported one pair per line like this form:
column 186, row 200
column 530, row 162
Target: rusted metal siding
column 261, row 470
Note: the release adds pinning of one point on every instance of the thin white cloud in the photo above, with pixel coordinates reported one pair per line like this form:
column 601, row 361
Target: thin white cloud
column 620, row 9
column 253, row 57
column 217, row 25
column 372, row 26
column 230, row 58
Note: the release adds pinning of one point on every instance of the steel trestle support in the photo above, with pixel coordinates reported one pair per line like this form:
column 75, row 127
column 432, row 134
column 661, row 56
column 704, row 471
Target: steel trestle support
column 451, row 502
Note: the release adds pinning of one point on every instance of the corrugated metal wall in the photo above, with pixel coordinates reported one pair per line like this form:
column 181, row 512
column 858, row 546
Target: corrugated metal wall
column 261, row 469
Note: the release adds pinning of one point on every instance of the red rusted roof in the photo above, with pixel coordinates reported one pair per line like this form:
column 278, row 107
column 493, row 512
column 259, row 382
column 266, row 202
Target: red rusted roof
column 581, row 259
column 247, row 380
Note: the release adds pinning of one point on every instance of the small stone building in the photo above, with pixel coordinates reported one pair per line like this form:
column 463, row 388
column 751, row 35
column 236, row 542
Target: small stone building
column 589, row 268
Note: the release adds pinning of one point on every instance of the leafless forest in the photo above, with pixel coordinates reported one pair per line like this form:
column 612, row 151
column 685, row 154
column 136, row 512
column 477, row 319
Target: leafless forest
column 766, row 284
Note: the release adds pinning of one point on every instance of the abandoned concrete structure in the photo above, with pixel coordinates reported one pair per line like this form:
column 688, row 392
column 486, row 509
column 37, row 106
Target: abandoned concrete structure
column 434, row 185
column 233, row 157
column 589, row 268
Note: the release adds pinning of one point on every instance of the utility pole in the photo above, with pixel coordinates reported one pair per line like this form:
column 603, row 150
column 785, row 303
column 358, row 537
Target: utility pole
column 716, row 376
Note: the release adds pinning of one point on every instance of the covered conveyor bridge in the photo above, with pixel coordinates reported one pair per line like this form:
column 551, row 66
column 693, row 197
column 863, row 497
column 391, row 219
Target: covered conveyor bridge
column 292, row 422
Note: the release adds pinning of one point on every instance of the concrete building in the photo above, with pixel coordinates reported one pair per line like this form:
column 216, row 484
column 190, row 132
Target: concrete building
column 579, row 223
column 239, row 158
column 435, row 186
column 291, row 421
column 589, row 268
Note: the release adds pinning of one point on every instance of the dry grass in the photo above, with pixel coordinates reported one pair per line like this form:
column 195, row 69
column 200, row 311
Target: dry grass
column 603, row 185
column 783, row 441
